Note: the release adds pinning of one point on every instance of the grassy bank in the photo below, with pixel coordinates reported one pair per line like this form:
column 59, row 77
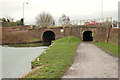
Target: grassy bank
column 56, row 59
column 111, row 48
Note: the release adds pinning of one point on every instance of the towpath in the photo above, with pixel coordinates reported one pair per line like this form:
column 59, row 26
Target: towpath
column 92, row 62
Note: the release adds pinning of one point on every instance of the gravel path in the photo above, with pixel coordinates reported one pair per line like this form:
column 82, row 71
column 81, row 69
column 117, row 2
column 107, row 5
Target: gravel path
column 92, row 62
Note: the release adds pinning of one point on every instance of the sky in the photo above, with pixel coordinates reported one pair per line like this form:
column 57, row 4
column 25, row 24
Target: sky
column 75, row 9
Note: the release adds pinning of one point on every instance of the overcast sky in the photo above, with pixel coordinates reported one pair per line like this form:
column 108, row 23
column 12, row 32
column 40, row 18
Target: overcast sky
column 75, row 9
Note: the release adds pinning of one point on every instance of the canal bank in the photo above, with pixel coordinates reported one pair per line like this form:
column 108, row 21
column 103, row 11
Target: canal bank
column 55, row 60
column 31, row 44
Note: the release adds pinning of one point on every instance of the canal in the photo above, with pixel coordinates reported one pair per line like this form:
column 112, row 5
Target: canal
column 16, row 59
column 0, row 62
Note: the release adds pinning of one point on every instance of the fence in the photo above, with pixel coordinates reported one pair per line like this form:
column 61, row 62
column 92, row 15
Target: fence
column 104, row 21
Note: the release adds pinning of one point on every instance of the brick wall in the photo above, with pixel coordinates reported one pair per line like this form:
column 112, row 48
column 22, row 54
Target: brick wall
column 113, row 38
column 100, row 34
column 15, row 37
column 38, row 33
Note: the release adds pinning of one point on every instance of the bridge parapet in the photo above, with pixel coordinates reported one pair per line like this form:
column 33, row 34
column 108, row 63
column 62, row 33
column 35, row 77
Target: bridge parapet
column 100, row 34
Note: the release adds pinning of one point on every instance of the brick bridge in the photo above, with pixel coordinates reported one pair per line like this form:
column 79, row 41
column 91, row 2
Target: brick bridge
column 86, row 33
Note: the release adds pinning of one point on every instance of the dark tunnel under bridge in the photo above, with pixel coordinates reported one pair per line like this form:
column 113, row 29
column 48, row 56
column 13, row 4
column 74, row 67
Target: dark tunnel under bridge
column 87, row 36
column 48, row 36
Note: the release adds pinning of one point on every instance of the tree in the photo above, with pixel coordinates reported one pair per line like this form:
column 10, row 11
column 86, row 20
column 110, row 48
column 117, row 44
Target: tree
column 4, row 22
column 8, row 22
column 21, row 22
column 64, row 20
column 44, row 19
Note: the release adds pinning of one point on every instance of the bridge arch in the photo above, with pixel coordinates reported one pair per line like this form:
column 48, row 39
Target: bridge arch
column 48, row 36
column 87, row 35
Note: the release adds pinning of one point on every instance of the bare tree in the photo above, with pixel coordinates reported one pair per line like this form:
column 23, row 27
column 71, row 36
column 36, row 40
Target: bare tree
column 44, row 19
column 64, row 20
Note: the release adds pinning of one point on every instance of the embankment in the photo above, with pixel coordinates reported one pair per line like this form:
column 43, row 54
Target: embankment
column 55, row 60
column 109, row 48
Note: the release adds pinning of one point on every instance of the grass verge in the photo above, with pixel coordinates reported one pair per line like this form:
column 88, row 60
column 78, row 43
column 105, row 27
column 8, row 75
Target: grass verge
column 108, row 47
column 56, row 59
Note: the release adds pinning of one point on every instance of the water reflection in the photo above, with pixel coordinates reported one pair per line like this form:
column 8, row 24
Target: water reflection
column 37, row 44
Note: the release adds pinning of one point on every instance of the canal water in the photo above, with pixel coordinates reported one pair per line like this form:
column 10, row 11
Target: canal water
column 16, row 61
column 0, row 62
